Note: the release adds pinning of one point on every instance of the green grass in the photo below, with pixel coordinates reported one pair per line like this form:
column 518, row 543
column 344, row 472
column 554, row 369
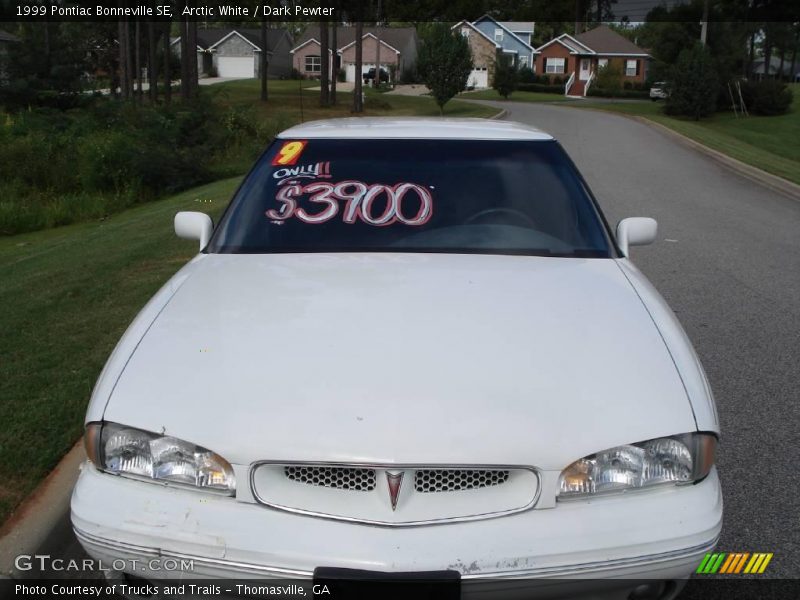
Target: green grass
column 67, row 295
column 769, row 143
column 288, row 105
column 514, row 97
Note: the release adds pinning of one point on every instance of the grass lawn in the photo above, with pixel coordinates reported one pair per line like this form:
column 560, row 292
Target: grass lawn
column 769, row 143
column 67, row 295
column 291, row 102
column 515, row 97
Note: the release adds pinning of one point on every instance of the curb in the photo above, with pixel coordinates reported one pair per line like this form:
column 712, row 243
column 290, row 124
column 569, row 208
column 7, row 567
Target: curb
column 501, row 115
column 774, row 182
column 29, row 525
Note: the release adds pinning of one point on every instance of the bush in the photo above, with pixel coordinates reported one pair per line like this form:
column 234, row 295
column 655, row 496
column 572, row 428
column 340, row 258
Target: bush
column 541, row 88
column 693, row 85
column 609, row 78
column 629, row 94
column 505, row 79
column 58, row 167
column 341, row 76
column 526, row 75
column 767, row 97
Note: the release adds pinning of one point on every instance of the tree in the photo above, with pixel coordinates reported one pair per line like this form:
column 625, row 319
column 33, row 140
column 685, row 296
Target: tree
column 506, row 77
column 324, row 72
column 167, row 64
column 693, row 90
column 358, row 100
column 152, row 61
column 334, row 66
column 263, row 65
column 444, row 63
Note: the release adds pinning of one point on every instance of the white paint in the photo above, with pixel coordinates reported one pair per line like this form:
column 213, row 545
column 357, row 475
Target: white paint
column 236, row 66
column 585, row 70
column 415, row 128
column 478, row 78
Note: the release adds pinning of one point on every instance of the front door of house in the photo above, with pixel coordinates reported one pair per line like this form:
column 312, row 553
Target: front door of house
column 585, row 70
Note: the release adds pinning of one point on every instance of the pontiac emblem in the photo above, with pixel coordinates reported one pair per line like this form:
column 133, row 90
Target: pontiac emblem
column 395, row 480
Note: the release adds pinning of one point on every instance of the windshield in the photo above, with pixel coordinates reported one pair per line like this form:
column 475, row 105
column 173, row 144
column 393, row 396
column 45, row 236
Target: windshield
column 413, row 195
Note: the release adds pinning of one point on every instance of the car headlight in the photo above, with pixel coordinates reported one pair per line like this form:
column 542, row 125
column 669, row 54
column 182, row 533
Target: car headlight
column 127, row 451
column 679, row 459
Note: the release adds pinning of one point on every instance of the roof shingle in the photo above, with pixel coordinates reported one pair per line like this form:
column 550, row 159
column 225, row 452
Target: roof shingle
column 604, row 40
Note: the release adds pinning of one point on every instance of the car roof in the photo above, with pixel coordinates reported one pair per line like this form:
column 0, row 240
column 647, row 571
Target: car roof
column 415, row 128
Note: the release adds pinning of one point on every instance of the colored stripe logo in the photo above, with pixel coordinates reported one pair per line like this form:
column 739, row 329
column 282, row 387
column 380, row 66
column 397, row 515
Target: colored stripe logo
column 734, row 563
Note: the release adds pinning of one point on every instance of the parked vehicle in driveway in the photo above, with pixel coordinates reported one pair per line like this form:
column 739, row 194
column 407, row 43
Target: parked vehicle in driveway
column 412, row 348
column 659, row 91
column 370, row 75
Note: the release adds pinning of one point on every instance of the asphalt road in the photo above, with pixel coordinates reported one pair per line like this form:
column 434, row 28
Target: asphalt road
column 728, row 262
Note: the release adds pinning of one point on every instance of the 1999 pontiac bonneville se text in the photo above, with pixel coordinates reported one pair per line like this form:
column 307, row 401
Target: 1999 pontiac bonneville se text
column 409, row 346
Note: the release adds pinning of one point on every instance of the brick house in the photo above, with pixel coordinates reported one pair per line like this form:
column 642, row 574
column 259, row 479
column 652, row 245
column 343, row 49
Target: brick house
column 398, row 51
column 579, row 57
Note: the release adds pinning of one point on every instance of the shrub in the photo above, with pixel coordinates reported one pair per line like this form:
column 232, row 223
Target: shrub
column 541, row 88
column 767, row 97
column 609, row 77
column 505, row 79
column 630, row 94
column 526, row 75
column 693, row 85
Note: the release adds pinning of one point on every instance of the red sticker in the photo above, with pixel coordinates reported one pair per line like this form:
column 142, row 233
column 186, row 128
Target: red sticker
column 289, row 153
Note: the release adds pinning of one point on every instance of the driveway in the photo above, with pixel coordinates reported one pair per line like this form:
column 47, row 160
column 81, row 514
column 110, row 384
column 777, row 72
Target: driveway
column 728, row 262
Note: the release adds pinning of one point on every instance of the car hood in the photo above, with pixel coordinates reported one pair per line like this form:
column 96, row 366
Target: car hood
column 403, row 358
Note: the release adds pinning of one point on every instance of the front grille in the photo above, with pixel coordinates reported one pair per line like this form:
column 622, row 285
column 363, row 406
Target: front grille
column 455, row 480
column 342, row 478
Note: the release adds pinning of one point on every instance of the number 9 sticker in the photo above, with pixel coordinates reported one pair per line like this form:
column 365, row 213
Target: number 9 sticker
column 289, row 153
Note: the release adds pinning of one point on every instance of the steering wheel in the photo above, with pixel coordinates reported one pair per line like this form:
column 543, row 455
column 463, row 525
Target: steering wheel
column 511, row 211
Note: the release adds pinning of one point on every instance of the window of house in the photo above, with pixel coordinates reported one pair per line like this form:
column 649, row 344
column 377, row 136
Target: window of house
column 631, row 67
column 313, row 64
column 498, row 35
column 523, row 61
column 554, row 65
column 465, row 32
column 602, row 62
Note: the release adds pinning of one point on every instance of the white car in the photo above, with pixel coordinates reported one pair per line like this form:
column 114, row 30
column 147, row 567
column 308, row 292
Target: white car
column 410, row 349
column 659, row 91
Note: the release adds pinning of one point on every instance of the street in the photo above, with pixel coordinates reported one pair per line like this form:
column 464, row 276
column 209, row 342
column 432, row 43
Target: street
column 727, row 261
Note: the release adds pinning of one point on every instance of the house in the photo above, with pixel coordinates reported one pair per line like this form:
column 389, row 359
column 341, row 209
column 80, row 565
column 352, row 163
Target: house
column 514, row 38
column 579, row 57
column 398, row 51
column 775, row 68
column 490, row 40
column 235, row 52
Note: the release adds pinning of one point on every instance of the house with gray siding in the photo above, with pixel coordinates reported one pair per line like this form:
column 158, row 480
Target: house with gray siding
column 513, row 37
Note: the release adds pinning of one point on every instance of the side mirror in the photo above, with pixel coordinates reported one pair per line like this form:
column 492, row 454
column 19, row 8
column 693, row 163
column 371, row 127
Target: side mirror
column 636, row 231
column 191, row 225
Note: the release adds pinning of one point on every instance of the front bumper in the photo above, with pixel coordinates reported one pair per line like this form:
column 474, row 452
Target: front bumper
column 658, row 534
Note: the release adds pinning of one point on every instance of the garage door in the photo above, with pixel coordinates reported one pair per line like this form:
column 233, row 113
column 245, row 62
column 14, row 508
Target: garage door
column 350, row 70
column 478, row 78
column 236, row 66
